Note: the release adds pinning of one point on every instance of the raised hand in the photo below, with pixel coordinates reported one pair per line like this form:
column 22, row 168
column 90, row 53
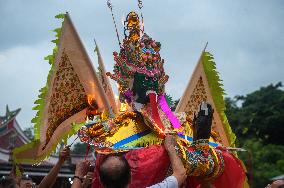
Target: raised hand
column 203, row 121
column 64, row 154
column 82, row 168
column 170, row 143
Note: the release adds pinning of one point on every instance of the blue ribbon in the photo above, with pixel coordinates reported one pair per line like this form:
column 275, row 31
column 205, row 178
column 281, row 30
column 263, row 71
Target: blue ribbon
column 189, row 138
column 131, row 138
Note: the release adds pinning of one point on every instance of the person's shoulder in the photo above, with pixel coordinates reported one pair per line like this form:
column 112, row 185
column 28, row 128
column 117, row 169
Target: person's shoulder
column 169, row 182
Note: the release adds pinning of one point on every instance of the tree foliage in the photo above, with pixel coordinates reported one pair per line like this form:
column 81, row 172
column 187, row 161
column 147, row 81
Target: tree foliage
column 29, row 132
column 260, row 116
column 81, row 148
column 258, row 121
column 263, row 161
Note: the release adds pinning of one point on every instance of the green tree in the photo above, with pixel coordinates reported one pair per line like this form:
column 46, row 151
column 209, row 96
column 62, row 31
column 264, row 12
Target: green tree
column 261, row 115
column 258, row 122
column 81, row 148
column 175, row 103
column 29, row 132
column 263, row 161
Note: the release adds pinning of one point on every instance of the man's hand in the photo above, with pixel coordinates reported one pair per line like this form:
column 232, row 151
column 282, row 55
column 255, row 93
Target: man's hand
column 64, row 154
column 170, row 143
column 179, row 171
column 82, row 168
column 49, row 180
column 88, row 179
column 276, row 184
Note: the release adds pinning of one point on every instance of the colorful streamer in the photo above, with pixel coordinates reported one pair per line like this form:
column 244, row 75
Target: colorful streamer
column 166, row 109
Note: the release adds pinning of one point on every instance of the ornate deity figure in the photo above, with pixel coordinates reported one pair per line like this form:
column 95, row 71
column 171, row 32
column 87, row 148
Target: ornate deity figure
column 77, row 99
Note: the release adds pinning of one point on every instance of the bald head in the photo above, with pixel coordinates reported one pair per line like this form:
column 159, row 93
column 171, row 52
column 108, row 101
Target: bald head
column 115, row 171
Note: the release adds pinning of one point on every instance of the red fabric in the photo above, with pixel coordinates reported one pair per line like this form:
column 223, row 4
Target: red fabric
column 87, row 150
column 233, row 175
column 155, row 113
column 149, row 166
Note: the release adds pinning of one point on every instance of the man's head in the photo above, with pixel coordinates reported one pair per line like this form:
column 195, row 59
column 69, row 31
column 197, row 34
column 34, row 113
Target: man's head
column 115, row 171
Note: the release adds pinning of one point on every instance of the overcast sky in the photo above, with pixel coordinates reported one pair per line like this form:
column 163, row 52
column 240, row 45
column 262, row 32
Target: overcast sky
column 246, row 38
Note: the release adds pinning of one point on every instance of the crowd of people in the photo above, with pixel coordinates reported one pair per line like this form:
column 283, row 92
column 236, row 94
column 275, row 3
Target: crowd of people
column 114, row 172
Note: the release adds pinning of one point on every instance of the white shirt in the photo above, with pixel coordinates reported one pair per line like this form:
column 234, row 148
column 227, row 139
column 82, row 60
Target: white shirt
column 169, row 182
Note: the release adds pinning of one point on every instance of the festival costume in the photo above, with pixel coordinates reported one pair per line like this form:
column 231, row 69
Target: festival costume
column 76, row 98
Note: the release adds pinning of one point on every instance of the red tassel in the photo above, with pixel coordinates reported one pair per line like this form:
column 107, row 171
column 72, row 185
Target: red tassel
column 87, row 151
column 155, row 113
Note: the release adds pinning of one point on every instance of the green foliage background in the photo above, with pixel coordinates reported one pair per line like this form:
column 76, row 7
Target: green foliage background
column 80, row 148
column 257, row 119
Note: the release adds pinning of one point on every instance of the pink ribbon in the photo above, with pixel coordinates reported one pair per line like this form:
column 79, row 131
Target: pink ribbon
column 166, row 109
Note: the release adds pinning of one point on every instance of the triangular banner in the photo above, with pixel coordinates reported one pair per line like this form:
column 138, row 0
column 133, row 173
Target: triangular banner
column 205, row 85
column 63, row 101
column 104, row 79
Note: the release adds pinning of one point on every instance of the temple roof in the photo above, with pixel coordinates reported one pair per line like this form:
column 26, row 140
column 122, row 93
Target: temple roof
column 11, row 134
column 10, row 115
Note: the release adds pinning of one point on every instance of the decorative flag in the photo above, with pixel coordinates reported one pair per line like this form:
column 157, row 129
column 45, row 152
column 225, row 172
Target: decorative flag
column 105, row 81
column 205, row 85
column 62, row 103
